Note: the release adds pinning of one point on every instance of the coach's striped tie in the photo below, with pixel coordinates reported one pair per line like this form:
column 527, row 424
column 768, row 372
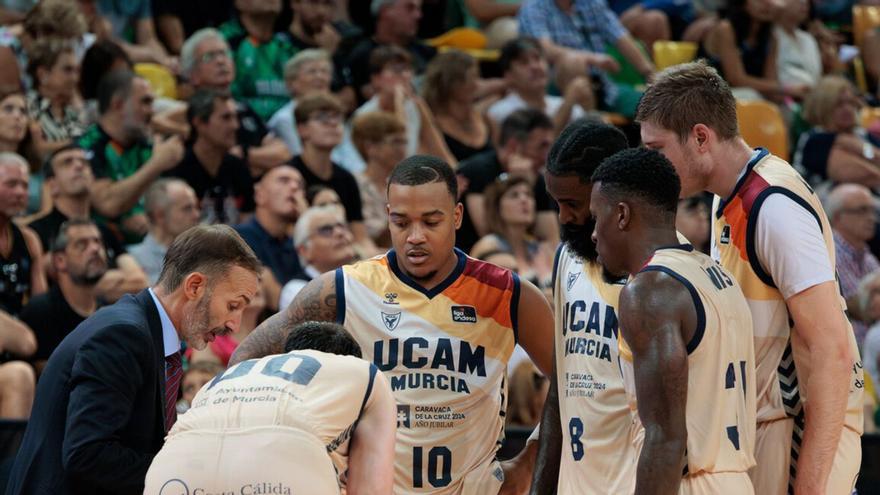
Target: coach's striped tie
column 173, row 375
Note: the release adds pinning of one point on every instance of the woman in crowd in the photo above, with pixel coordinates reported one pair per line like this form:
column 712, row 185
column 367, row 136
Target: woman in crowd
column 798, row 58
column 742, row 47
column 449, row 88
column 14, row 138
column 380, row 138
column 869, row 302
column 510, row 216
column 54, row 106
column 836, row 148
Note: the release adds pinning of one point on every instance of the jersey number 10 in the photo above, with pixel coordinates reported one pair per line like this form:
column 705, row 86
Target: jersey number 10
column 439, row 467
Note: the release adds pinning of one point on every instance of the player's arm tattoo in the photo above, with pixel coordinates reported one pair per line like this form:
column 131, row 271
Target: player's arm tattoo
column 546, row 472
column 652, row 309
column 315, row 302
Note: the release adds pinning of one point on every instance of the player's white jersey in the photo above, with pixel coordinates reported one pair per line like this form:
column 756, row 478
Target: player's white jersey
column 597, row 453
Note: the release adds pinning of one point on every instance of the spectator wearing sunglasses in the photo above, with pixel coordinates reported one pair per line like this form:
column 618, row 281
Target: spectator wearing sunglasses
column 323, row 242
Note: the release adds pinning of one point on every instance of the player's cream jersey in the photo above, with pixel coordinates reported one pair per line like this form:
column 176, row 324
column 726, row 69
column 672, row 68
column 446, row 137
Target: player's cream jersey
column 720, row 411
column 597, row 455
column 445, row 353
column 313, row 397
column 779, row 367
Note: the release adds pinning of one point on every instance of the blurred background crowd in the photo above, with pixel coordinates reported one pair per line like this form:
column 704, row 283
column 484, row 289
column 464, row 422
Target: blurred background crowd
column 123, row 123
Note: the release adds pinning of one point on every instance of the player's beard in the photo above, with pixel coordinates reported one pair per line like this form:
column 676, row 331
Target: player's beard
column 578, row 239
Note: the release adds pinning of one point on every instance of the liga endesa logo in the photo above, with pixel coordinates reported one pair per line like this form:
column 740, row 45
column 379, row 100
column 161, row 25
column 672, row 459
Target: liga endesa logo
column 178, row 487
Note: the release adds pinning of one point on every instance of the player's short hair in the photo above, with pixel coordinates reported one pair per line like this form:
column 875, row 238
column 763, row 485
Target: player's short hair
column 424, row 169
column 322, row 336
column 208, row 249
column 582, row 146
column 519, row 124
column 640, row 173
column 685, row 95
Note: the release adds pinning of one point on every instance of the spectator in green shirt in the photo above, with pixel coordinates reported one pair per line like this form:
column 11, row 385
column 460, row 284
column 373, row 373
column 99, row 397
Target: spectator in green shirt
column 124, row 160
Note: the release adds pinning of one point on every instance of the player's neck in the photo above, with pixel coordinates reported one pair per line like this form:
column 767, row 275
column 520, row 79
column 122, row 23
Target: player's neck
column 642, row 249
column 442, row 273
column 731, row 158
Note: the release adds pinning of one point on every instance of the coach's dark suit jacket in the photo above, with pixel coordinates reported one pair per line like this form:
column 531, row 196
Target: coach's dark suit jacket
column 98, row 418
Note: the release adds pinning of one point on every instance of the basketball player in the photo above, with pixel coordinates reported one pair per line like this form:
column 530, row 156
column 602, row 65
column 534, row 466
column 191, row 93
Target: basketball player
column 585, row 431
column 688, row 327
column 440, row 325
column 286, row 423
column 770, row 231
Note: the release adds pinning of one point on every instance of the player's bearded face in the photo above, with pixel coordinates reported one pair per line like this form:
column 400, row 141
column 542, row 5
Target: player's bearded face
column 577, row 238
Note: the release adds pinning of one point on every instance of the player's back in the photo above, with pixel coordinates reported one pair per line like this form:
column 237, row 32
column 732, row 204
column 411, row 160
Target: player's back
column 286, row 418
column 597, row 456
column 445, row 353
column 720, row 412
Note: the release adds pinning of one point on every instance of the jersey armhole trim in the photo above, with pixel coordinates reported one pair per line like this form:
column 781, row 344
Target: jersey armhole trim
column 373, row 371
column 556, row 266
column 340, row 297
column 751, row 230
column 698, row 304
column 514, row 307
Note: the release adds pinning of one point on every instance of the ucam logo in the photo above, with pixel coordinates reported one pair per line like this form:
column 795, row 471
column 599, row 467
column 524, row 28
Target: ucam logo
column 390, row 320
column 572, row 278
column 464, row 314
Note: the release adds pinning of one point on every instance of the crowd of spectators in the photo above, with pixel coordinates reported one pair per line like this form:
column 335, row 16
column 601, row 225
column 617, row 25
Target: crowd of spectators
column 287, row 116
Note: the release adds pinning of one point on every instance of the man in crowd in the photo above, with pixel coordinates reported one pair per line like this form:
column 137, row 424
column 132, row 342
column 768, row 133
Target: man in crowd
column 853, row 215
column 79, row 260
column 524, row 67
column 574, row 35
column 206, row 61
column 313, row 25
column 108, row 393
column 69, row 179
column 280, row 199
column 221, row 180
column 259, row 55
column 397, row 24
column 21, row 271
column 308, row 72
column 324, row 243
column 21, row 277
column 172, row 209
column 525, row 139
column 319, row 120
column 123, row 161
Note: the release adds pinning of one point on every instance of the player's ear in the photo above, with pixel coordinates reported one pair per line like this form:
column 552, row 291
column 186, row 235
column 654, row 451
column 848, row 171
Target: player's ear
column 701, row 134
column 624, row 215
column 457, row 215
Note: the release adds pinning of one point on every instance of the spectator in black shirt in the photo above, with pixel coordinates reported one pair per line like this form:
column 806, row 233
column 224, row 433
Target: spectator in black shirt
column 69, row 179
column 79, row 260
column 280, row 199
column 319, row 124
column 206, row 63
column 221, row 181
column 397, row 23
column 525, row 139
column 313, row 25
